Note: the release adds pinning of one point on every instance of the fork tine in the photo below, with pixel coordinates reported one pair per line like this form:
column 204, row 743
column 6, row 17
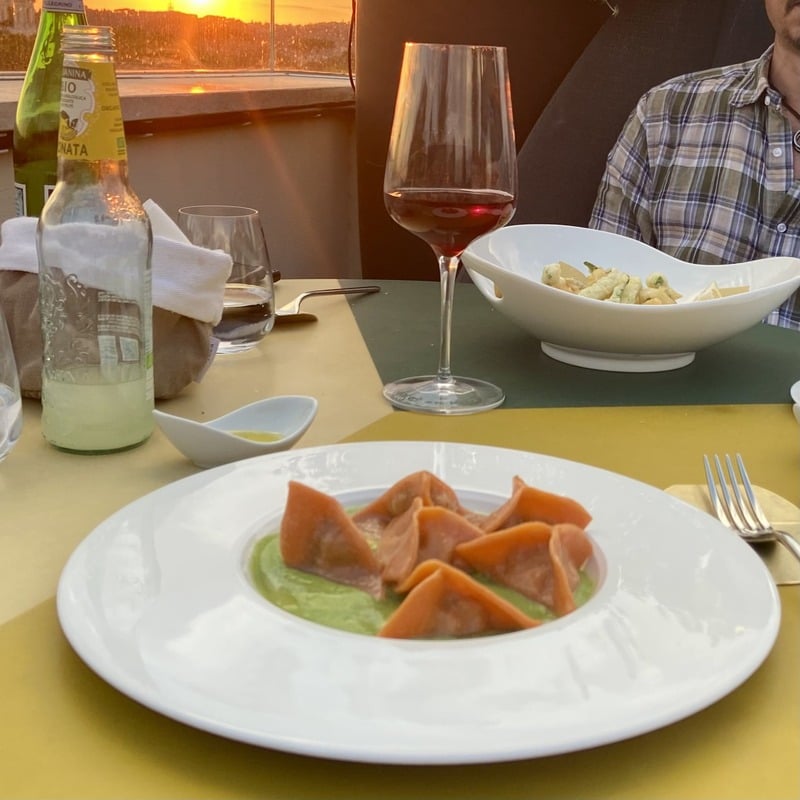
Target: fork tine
column 723, row 487
column 755, row 506
column 731, row 510
column 712, row 493
column 743, row 509
column 720, row 509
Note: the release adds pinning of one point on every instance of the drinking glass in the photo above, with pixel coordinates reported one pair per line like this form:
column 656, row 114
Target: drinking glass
column 451, row 176
column 10, row 399
column 248, row 312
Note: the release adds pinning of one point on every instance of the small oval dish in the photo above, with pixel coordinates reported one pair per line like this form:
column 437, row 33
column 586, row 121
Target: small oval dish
column 266, row 426
column 506, row 266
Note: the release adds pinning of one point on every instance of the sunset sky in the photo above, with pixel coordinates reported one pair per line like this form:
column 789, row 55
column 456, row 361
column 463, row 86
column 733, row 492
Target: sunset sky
column 296, row 12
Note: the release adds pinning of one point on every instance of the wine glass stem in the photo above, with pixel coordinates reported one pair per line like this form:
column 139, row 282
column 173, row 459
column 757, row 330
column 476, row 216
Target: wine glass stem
column 448, row 268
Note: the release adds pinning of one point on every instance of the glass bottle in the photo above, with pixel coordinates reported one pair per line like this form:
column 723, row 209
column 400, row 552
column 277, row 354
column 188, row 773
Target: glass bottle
column 94, row 242
column 36, row 121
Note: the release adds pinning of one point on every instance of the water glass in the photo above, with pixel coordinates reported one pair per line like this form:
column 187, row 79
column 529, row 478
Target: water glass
column 10, row 399
column 249, row 305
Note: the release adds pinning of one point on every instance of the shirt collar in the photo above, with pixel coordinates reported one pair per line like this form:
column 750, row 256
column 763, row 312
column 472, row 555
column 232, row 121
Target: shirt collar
column 755, row 82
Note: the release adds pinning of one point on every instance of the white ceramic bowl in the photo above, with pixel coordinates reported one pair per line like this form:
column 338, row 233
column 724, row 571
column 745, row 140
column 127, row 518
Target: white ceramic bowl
column 506, row 266
column 209, row 444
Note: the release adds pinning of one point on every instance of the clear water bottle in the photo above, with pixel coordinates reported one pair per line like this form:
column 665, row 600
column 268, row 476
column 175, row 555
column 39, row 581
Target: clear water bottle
column 94, row 242
column 36, row 121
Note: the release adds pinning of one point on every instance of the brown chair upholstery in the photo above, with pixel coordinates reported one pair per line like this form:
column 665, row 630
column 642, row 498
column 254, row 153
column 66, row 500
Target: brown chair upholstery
column 562, row 160
column 543, row 37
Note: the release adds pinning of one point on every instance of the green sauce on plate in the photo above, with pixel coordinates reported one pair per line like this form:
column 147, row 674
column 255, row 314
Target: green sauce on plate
column 342, row 607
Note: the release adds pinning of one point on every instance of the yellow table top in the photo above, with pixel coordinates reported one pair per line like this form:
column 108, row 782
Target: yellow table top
column 68, row 734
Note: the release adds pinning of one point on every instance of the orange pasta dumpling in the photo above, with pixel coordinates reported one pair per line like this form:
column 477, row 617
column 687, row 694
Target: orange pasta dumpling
column 443, row 601
column 398, row 547
column 418, row 534
column 397, row 498
column 440, row 531
column 529, row 504
column 317, row 535
column 538, row 560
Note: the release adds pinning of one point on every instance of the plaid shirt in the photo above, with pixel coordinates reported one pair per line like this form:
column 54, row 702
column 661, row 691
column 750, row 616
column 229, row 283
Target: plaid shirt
column 703, row 170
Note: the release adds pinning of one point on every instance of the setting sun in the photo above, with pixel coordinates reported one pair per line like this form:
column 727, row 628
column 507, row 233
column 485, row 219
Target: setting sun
column 200, row 7
column 246, row 10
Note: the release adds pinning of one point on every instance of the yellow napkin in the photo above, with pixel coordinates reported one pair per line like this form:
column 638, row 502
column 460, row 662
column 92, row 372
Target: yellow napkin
column 784, row 515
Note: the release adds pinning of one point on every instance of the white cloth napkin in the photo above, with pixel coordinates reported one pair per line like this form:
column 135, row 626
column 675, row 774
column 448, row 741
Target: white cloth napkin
column 187, row 279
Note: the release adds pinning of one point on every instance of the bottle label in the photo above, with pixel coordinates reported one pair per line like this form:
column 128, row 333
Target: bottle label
column 87, row 327
column 90, row 128
column 68, row 6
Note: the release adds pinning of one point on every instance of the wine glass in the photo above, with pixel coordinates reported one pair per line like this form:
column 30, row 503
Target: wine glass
column 451, row 176
column 248, row 312
column 10, row 398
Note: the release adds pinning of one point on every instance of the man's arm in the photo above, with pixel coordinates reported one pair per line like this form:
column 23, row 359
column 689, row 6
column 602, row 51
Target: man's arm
column 623, row 197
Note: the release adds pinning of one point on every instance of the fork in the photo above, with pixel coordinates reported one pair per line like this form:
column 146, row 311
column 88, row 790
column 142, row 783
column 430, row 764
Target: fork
column 292, row 308
column 742, row 513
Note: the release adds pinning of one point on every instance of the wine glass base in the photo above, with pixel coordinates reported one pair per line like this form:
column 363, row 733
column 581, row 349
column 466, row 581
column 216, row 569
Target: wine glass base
column 428, row 395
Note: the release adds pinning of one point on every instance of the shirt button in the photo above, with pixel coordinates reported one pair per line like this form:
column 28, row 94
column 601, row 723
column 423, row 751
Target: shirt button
column 782, row 227
column 777, row 151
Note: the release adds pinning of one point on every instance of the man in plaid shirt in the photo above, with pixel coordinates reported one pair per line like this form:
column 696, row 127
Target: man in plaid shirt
column 707, row 167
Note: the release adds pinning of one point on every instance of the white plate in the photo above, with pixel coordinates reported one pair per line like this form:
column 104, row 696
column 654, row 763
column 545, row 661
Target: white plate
column 156, row 600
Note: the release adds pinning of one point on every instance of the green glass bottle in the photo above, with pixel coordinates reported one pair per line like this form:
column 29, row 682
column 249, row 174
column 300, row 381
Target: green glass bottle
column 36, row 122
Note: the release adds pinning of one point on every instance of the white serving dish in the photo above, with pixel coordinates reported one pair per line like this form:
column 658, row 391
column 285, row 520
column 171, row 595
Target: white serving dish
column 506, row 266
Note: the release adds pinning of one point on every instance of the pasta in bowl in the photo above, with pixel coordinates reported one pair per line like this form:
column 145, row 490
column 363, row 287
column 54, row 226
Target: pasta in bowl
column 508, row 267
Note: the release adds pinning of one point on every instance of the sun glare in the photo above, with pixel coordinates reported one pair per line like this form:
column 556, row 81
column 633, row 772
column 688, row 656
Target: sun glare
column 203, row 8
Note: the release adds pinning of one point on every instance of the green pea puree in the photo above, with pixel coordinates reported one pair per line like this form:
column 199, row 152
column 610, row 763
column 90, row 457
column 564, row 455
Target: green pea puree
column 343, row 607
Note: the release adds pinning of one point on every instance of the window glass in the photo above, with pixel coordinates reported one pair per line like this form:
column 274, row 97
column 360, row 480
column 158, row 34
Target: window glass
column 282, row 35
